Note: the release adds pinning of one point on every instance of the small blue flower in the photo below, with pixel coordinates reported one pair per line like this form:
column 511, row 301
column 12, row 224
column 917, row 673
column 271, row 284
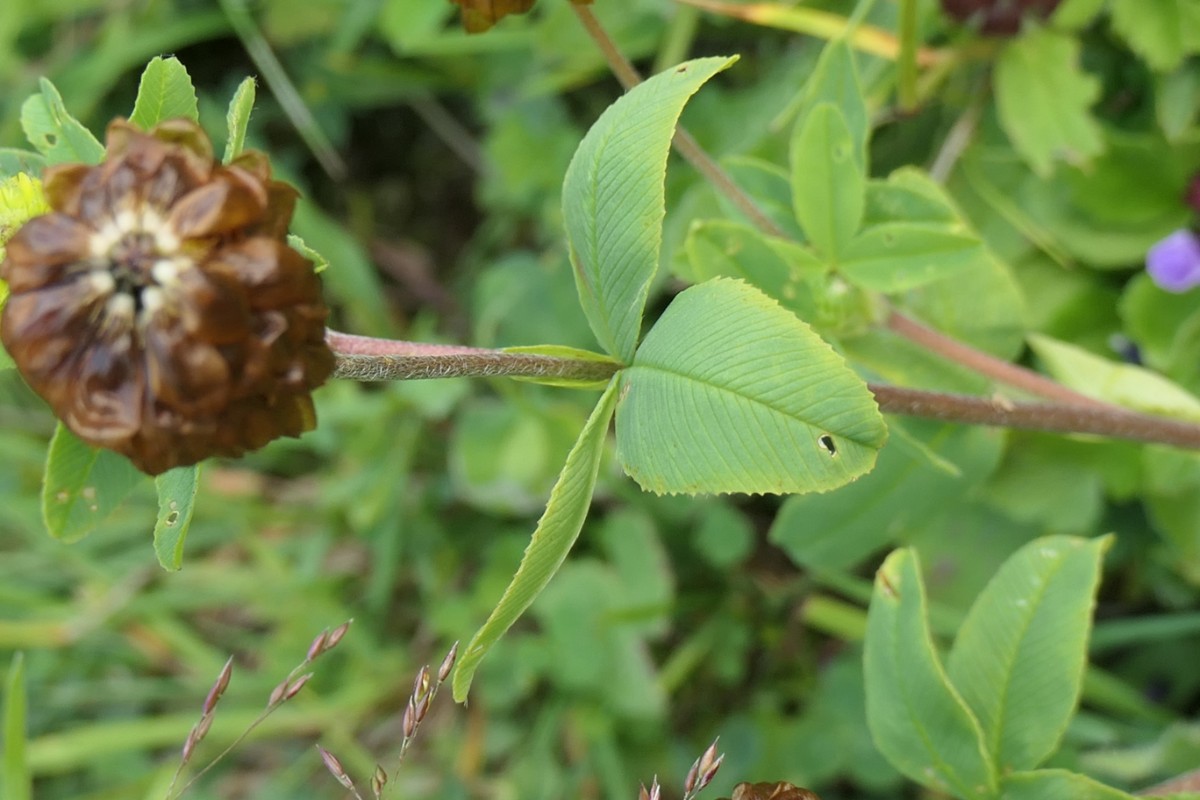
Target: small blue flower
column 1174, row 263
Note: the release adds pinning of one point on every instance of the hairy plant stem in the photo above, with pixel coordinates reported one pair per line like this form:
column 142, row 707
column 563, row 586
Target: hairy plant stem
column 364, row 358
column 368, row 359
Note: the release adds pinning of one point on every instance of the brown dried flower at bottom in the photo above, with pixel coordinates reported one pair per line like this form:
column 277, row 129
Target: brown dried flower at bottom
column 158, row 308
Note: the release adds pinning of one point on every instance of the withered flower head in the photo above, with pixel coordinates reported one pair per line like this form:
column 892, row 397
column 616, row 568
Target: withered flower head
column 158, row 308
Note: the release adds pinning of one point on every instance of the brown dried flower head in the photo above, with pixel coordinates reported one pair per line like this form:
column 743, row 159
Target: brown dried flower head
column 158, row 308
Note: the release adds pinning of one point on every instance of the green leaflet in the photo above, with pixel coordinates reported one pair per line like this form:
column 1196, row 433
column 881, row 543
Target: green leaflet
column 237, row 119
column 613, row 201
column 1043, row 98
column 828, row 180
column 835, row 80
column 898, row 256
column 54, row 133
column 176, row 503
column 1163, row 32
column 729, row 392
column 905, row 490
column 1124, row 384
column 556, row 533
column 14, row 161
column 82, row 485
column 165, row 92
column 1020, row 655
column 16, row 782
column 1057, row 784
column 917, row 718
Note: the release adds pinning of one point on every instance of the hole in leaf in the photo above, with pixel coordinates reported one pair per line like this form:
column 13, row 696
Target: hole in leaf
column 826, row 441
column 51, row 139
column 171, row 519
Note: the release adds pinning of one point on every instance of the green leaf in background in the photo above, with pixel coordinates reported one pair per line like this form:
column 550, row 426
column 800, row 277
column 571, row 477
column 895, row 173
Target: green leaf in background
column 1020, row 655
column 917, row 718
column 1163, row 32
column 54, row 133
column 828, row 180
column 82, row 485
column 1124, row 384
column 17, row 783
column 899, row 256
column 14, row 160
column 837, row 530
column 835, row 80
column 237, row 119
column 165, row 92
column 176, row 503
column 1043, row 97
column 1057, row 784
column 1177, row 100
column 552, row 540
column 613, row 201
column 731, row 393
column 726, row 249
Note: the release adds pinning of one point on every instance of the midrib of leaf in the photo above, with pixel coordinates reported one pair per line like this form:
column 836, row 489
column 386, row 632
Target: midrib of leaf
column 769, row 406
column 917, row 714
column 1002, row 710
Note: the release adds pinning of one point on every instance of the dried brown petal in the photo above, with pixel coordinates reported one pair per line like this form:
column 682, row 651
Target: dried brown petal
column 158, row 308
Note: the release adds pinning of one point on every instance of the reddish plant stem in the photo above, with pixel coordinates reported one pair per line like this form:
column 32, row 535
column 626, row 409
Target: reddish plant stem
column 1003, row 371
column 1102, row 420
column 365, row 358
column 1187, row 782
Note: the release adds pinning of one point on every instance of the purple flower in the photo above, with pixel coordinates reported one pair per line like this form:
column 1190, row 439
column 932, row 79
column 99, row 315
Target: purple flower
column 1174, row 263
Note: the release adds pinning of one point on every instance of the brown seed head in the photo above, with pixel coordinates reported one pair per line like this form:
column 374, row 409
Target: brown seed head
column 447, row 664
column 218, row 687
column 158, row 308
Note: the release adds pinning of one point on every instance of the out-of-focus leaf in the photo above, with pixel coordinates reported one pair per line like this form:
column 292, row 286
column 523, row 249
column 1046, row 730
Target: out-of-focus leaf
column 1124, row 384
column 82, row 485
column 54, row 133
column 1057, row 784
column 1163, row 32
column 1043, row 97
column 828, row 180
column 837, row 530
column 14, row 160
column 17, row 781
column 899, row 256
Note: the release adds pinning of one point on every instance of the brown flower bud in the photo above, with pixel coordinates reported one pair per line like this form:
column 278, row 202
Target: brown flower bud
column 158, row 308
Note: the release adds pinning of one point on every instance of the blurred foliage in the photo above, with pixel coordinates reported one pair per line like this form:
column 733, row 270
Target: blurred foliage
column 432, row 163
